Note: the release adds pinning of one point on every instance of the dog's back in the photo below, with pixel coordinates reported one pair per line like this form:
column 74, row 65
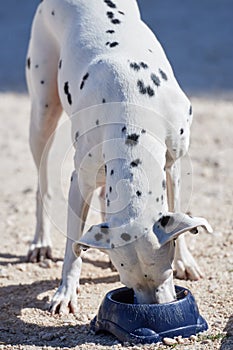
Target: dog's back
column 104, row 52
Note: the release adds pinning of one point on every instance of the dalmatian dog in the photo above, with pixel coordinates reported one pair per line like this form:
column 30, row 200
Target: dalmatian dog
column 102, row 65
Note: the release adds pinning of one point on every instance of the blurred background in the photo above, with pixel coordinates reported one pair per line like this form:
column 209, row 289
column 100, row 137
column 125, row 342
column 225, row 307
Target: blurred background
column 197, row 36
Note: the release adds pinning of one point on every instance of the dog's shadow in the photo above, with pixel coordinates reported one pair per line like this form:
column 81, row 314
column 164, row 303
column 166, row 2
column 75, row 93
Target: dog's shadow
column 14, row 330
column 227, row 342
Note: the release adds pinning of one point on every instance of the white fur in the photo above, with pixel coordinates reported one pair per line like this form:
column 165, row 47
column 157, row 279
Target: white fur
column 129, row 114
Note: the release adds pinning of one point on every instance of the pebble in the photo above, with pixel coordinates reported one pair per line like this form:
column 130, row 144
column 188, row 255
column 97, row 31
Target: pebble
column 206, row 341
column 180, row 340
column 169, row 341
column 22, row 267
column 3, row 273
column 193, row 338
column 45, row 264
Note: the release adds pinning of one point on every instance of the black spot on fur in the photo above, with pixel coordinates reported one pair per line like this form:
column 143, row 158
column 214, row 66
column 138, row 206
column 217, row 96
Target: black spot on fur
column 141, row 86
column 155, row 79
column 135, row 163
column 115, row 43
column 110, row 189
column 104, row 228
column 135, row 66
column 139, row 193
column 181, row 131
column 108, row 202
column 90, row 155
column 29, row 63
column 37, row 66
column 145, row 89
column 76, row 135
column 71, row 179
column 163, row 75
column 46, row 106
column 126, row 237
column 123, row 129
column 105, row 169
column 164, row 220
column 110, row 31
column 121, row 13
column 97, row 122
column 66, row 90
column 143, row 131
column 110, row 4
column 86, row 76
column 157, row 199
column 69, row 98
column 98, row 236
column 115, row 21
column 53, row 13
column 190, row 110
column 42, row 82
column 60, row 64
column 164, row 184
column 83, row 81
column 112, row 172
column 143, row 65
column 110, row 14
column 150, row 192
column 66, row 87
column 150, row 91
column 132, row 139
column 150, row 50
column 103, row 101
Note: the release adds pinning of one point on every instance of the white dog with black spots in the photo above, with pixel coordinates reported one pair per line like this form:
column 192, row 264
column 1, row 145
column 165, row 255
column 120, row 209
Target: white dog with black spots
column 102, row 65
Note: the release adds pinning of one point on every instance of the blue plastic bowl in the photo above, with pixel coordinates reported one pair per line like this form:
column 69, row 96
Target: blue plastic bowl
column 148, row 323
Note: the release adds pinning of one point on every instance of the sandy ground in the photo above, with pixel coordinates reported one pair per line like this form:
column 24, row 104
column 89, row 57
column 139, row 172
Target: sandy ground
column 26, row 289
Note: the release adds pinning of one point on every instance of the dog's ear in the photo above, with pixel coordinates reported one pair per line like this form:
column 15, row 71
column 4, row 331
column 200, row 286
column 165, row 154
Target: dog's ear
column 171, row 225
column 98, row 236
column 104, row 236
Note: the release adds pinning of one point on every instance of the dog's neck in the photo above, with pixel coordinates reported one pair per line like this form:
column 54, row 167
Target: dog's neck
column 135, row 168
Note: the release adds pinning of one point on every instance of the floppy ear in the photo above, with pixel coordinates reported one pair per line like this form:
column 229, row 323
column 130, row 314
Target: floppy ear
column 104, row 236
column 98, row 236
column 171, row 225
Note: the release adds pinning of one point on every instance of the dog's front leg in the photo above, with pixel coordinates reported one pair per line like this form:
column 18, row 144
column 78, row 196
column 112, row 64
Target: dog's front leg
column 185, row 265
column 65, row 298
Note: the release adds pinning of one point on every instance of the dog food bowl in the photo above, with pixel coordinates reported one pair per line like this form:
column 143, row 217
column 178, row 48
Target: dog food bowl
column 148, row 323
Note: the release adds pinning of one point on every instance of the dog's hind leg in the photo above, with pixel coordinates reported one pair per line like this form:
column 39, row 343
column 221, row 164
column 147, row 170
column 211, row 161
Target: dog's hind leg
column 41, row 71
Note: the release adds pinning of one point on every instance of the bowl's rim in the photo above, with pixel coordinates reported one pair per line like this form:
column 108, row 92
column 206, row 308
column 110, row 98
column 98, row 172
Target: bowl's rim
column 122, row 289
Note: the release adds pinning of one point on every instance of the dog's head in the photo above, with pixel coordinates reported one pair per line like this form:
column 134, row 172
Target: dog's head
column 142, row 257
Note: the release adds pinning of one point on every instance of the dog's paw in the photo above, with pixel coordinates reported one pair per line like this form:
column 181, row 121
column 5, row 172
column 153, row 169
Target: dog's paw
column 37, row 254
column 185, row 267
column 64, row 301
